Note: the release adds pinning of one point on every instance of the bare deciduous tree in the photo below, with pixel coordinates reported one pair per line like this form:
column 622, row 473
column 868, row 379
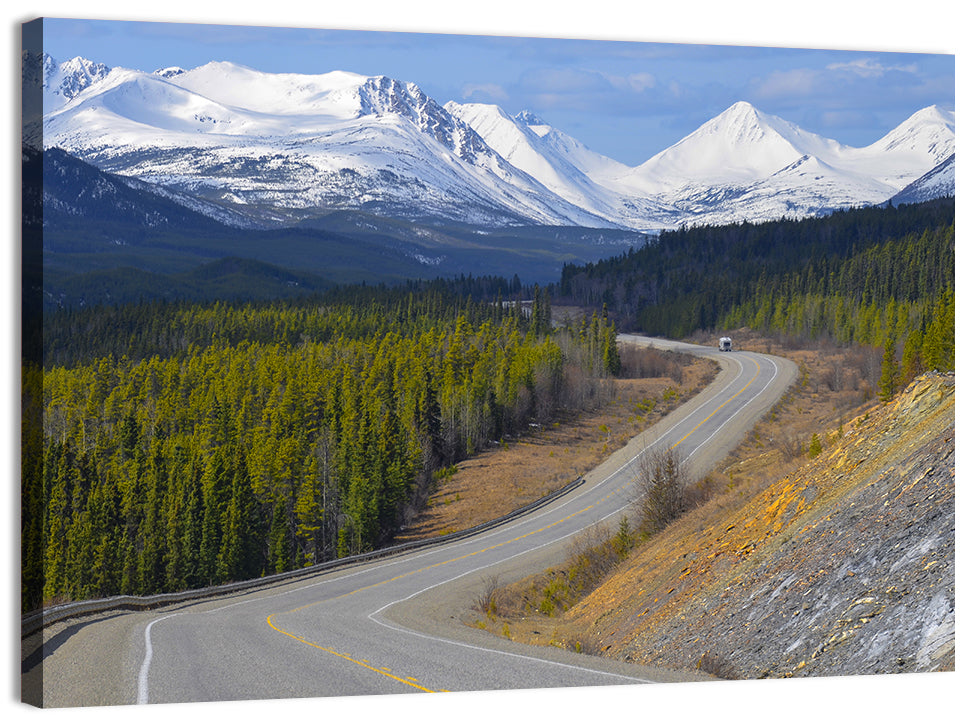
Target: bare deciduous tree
column 485, row 600
column 660, row 480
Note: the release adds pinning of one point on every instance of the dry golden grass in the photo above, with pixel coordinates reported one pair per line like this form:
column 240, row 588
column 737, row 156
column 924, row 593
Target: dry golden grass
column 508, row 476
column 500, row 479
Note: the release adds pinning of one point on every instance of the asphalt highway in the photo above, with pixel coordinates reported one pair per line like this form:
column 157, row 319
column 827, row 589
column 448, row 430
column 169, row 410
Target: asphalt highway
column 397, row 625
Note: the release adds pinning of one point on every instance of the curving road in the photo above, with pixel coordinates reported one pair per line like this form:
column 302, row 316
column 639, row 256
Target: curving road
column 396, row 625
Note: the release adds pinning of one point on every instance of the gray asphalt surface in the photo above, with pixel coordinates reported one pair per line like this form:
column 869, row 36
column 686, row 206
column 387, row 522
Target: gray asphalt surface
column 395, row 626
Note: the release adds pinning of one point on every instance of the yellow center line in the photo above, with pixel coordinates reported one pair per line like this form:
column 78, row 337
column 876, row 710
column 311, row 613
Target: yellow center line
column 720, row 407
column 384, row 672
column 410, row 681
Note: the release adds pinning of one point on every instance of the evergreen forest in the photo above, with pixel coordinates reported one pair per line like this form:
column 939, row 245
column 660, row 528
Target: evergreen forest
column 182, row 445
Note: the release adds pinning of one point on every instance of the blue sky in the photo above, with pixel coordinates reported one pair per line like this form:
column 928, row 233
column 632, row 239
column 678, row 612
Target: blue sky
column 627, row 100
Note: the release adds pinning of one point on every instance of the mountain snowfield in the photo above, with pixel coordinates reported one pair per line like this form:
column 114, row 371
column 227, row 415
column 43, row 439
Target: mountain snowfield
column 285, row 147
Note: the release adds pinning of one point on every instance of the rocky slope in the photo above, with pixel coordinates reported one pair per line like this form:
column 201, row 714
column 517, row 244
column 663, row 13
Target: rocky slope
column 843, row 567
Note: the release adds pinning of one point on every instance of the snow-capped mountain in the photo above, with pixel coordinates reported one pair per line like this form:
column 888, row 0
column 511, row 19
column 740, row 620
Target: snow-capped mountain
column 925, row 139
column 741, row 145
column 62, row 83
column 286, row 147
column 562, row 164
column 937, row 183
column 747, row 165
column 48, row 85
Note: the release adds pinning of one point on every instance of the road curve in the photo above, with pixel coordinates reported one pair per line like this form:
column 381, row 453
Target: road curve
column 396, row 625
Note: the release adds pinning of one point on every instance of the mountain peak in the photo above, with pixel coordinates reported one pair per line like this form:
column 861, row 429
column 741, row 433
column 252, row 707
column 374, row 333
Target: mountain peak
column 740, row 144
column 171, row 72
column 741, row 123
column 741, row 109
column 931, row 116
column 935, row 114
column 65, row 81
column 336, row 140
column 928, row 133
column 382, row 94
column 527, row 117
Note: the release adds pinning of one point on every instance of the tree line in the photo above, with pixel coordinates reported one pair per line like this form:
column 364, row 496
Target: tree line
column 689, row 279
column 896, row 295
column 183, row 445
column 877, row 277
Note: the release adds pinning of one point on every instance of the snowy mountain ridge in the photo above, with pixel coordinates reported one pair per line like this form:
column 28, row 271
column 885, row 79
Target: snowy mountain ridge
column 285, row 147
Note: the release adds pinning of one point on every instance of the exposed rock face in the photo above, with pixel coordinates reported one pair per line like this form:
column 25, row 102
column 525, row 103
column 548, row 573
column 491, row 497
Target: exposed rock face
column 846, row 567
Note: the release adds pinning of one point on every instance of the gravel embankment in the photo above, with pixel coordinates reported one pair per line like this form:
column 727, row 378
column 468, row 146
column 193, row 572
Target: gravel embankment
column 845, row 567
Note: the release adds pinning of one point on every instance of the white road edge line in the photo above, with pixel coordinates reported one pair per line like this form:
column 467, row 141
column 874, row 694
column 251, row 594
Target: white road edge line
column 462, row 644
column 142, row 690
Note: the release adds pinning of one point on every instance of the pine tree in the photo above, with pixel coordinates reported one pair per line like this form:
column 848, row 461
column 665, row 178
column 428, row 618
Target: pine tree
column 279, row 550
column 254, row 437
column 938, row 342
column 889, row 370
column 815, row 448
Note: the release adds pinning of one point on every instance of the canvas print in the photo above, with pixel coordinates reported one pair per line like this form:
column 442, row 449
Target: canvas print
column 360, row 363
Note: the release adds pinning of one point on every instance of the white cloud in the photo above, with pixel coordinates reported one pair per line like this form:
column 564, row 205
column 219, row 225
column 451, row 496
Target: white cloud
column 641, row 81
column 871, row 68
column 801, row 82
column 783, row 83
column 565, row 81
column 489, row 91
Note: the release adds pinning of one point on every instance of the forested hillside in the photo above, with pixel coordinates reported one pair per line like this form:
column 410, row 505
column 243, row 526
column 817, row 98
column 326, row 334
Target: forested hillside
column 881, row 277
column 191, row 444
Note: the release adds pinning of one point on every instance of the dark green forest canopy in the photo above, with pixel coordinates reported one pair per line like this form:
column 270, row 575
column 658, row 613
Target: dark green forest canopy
column 170, row 328
column 711, row 277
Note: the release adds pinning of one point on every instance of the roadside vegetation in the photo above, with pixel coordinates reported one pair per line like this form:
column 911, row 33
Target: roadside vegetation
column 546, row 457
column 836, row 384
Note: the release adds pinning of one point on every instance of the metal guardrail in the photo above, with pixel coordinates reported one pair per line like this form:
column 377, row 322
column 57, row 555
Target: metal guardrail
column 38, row 620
